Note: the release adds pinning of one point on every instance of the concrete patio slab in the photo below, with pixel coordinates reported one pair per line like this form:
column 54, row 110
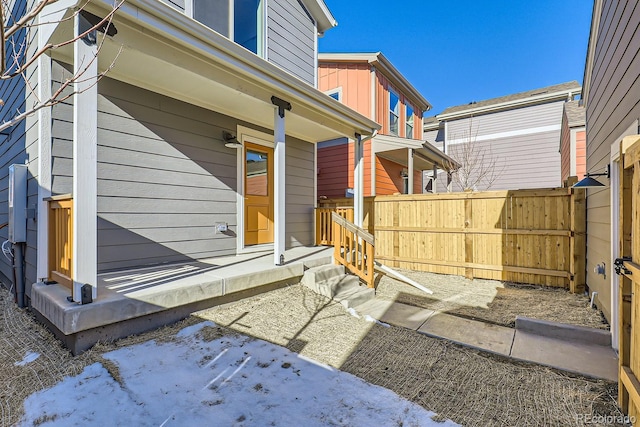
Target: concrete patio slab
column 480, row 335
column 586, row 359
column 168, row 291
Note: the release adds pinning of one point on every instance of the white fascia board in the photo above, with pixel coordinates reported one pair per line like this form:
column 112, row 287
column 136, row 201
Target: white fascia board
column 321, row 13
column 381, row 63
column 387, row 142
column 157, row 17
column 591, row 50
column 532, row 100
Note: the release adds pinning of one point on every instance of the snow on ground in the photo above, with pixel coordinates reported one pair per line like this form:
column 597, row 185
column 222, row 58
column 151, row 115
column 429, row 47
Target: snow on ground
column 230, row 380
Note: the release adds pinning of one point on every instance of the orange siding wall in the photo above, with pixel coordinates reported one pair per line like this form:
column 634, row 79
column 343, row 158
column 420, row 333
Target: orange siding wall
column 355, row 81
column 581, row 154
column 333, row 176
column 388, row 179
column 382, row 110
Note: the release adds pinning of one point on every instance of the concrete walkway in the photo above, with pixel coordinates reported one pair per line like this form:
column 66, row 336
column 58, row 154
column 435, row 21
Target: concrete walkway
column 575, row 349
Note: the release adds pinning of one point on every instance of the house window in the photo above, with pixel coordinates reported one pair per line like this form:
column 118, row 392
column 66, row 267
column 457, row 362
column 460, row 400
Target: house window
column 394, row 113
column 240, row 20
column 409, row 122
column 335, row 93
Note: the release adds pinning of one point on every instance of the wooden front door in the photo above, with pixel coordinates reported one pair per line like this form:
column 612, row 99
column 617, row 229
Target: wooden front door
column 629, row 269
column 258, row 192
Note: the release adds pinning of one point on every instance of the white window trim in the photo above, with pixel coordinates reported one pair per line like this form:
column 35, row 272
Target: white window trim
column 391, row 91
column 261, row 31
column 413, row 122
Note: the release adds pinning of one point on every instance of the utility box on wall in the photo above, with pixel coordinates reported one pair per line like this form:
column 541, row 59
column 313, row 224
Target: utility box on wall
column 17, row 203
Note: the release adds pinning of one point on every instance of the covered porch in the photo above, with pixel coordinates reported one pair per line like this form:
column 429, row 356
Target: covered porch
column 152, row 47
column 135, row 300
column 414, row 156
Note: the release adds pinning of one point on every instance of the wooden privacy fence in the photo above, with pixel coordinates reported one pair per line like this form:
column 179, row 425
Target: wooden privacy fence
column 528, row 236
column 354, row 248
column 61, row 239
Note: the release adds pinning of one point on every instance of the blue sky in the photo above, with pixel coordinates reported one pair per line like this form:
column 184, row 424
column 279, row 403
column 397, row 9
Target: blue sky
column 455, row 52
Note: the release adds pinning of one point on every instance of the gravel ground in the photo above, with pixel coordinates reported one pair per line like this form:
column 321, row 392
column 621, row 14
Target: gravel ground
column 491, row 300
column 464, row 385
column 467, row 386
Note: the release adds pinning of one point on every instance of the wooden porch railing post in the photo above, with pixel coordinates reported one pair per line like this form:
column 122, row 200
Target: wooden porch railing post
column 353, row 248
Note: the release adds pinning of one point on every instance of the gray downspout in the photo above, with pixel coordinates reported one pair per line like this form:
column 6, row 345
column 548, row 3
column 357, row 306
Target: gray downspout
column 18, row 265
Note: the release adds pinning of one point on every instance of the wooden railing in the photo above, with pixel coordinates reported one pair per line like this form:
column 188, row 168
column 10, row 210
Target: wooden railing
column 354, row 248
column 61, row 239
column 324, row 227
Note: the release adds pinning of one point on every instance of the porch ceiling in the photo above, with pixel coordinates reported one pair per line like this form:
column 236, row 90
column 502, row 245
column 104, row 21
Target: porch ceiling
column 162, row 50
column 425, row 156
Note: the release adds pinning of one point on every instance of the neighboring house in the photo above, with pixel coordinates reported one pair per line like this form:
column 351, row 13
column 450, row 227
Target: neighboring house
column 573, row 138
column 611, row 96
column 150, row 153
column 520, row 131
column 395, row 158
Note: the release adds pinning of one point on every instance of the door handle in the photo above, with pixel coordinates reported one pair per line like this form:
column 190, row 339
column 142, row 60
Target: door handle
column 619, row 266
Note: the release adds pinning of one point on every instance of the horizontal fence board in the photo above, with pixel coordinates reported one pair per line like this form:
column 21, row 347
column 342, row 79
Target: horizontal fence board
column 525, row 236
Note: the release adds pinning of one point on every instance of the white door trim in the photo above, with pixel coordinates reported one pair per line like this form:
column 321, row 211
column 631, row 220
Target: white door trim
column 245, row 134
column 614, row 187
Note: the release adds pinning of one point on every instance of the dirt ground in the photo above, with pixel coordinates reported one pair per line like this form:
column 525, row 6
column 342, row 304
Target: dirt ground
column 492, row 301
column 464, row 385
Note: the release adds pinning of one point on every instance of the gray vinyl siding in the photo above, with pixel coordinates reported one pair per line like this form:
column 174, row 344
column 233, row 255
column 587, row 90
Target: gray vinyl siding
column 435, row 138
column 291, row 37
column 518, row 119
column 530, row 160
column 300, row 170
column 13, row 148
column 612, row 107
column 164, row 179
column 61, row 135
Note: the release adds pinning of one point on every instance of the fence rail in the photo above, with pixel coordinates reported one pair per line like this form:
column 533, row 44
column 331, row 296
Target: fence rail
column 61, row 239
column 528, row 236
column 353, row 247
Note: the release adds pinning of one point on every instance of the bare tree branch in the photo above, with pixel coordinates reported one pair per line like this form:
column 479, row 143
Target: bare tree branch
column 479, row 167
column 20, row 58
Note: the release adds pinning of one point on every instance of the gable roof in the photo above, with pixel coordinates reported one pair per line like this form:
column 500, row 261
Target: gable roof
column 530, row 97
column 575, row 112
column 321, row 13
column 378, row 60
column 430, row 123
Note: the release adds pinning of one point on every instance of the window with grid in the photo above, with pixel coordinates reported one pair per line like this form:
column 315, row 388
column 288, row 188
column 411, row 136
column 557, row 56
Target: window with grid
column 394, row 113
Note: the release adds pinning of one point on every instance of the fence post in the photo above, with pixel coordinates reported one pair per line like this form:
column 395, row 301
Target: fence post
column 577, row 254
column 468, row 237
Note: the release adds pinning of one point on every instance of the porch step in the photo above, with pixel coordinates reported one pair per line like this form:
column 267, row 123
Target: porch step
column 331, row 282
column 321, row 273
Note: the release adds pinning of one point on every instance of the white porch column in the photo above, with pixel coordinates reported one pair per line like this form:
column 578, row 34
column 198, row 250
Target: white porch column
column 410, row 171
column 435, row 179
column 44, row 164
column 358, row 181
column 279, row 183
column 85, row 139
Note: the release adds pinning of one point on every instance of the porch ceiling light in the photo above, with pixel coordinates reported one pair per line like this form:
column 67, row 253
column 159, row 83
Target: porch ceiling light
column 230, row 140
column 589, row 182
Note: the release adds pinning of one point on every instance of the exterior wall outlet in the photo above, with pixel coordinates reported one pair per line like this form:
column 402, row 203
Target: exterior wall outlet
column 221, row 227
